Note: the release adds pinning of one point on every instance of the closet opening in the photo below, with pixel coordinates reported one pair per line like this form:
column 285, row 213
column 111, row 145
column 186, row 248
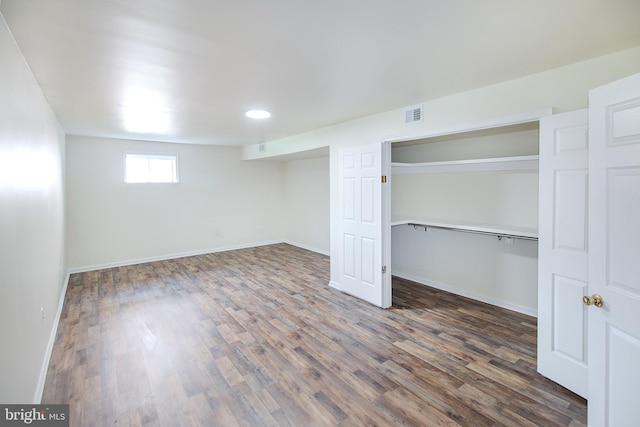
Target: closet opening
column 464, row 212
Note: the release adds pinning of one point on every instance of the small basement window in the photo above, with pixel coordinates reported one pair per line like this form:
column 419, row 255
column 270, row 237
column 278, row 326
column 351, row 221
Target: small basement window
column 141, row 168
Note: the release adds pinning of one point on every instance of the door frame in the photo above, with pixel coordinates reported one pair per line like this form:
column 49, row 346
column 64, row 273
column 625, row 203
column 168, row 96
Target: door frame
column 387, row 290
column 515, row 119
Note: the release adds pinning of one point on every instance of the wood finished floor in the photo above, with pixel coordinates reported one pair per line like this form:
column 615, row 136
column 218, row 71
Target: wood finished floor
column 256, row 337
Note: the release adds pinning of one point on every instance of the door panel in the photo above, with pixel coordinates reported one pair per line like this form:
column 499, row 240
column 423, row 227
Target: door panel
column 349, row 256
column 563, row 249
column 572, row 139
column 569, row 319
column 349, row 199
column 625, row 122
column 369, row 199
column 624, row 232
column 570, row 209
column 623, row 354
column 614, row 272
column 368, row 261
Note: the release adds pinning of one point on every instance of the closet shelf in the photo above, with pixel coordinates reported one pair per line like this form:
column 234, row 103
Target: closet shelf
column 472, row 165
column 471, row 227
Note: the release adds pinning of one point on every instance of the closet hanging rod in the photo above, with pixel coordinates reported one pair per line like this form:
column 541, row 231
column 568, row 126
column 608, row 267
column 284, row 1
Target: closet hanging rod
column 500, row 236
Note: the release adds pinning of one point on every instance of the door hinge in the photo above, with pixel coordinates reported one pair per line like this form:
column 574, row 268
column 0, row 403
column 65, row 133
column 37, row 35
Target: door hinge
column 384, row 268
column 384, row 179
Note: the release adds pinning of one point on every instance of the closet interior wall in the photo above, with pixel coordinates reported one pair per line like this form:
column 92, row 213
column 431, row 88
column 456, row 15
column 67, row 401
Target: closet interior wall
column 480, row 266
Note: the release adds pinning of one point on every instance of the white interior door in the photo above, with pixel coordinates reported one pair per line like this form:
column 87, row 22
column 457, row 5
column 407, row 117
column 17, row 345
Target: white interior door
column 360, row 258
column 614, row 254
column 562, row 249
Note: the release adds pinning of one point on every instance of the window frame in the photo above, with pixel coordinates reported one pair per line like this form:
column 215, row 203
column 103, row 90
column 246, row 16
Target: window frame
column 149, row 157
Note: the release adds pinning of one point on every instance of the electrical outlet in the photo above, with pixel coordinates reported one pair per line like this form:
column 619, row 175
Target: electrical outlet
column 42, row 312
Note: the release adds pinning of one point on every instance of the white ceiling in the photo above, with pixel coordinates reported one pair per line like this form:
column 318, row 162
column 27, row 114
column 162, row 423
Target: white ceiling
column 311, row 63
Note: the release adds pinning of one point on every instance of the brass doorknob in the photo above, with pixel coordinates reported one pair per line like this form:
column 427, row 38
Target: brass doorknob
column 595, row 299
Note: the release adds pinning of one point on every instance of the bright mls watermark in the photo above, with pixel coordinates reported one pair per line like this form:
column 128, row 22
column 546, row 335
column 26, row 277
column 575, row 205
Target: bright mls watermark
column 37, row 415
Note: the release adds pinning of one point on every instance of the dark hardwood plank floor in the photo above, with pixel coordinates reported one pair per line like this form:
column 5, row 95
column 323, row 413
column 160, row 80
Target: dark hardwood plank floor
column 256, row 337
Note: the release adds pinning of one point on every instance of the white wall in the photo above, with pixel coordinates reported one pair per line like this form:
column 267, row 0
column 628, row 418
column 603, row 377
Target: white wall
column 481, row 267
column 474, row 265
column 504, row 198
column 221, row 202
column 31, row 225
column 306, row 188
column 563, row 89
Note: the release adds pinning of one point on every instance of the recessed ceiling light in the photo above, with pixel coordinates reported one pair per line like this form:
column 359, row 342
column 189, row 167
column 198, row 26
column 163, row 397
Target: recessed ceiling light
column 145, row 111
column 258, row 114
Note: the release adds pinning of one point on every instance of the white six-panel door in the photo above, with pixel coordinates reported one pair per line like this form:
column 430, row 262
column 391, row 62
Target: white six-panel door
column 563, row 249
column 614, row 254
column 360, row 209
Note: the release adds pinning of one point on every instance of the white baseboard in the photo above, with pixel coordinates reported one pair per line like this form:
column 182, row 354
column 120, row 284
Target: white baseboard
column 498, row 303
column 37, row 398
column 170, row 256
column 309, row 248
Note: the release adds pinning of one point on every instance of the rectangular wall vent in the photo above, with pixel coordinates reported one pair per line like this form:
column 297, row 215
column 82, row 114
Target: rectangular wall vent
column 413, row 114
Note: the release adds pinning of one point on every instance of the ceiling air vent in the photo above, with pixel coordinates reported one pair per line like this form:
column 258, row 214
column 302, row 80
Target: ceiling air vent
column 413, row 114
